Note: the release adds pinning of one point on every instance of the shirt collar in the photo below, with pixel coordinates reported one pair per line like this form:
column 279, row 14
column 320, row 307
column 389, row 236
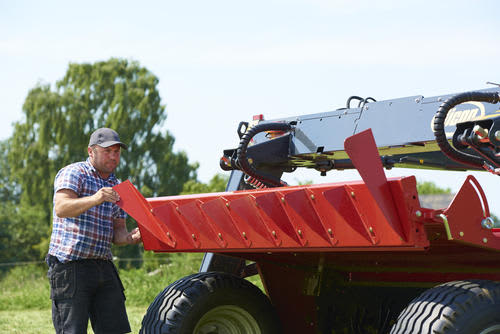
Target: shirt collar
column 92, row 168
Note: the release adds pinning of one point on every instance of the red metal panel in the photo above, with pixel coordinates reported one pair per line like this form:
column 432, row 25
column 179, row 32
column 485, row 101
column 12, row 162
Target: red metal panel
column 170, row 217
column 342, row 199
column 352, row 216
column 138, row 208
column 250, row 221
column 277, row 217
column 496, row 232
column 205, row 231
column 309, row 224
column 296, row 308
column 363, row 152
column 307, row 218
column 465, row 214
column 218, row 211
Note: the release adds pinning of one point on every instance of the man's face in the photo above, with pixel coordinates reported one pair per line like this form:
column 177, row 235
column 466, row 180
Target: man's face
column 105, row 159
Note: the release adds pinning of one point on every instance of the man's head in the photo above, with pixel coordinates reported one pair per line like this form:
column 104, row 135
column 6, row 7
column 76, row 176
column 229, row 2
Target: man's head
column 105, row 137
column 104, row 150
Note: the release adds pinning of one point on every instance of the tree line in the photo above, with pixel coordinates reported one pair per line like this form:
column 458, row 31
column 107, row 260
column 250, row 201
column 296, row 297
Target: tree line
column 57, row 122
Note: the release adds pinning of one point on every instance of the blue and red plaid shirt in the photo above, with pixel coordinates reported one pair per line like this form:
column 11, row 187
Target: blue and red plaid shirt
column 88, row 236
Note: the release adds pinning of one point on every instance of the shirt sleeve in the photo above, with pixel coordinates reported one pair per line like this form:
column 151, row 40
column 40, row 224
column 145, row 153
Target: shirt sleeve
column 68, row 178
column 118, row 212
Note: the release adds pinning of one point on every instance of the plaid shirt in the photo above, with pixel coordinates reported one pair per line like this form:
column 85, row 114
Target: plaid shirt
column 89, row 235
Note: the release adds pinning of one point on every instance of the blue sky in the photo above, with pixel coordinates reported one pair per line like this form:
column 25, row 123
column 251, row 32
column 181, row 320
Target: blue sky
column 220, row 62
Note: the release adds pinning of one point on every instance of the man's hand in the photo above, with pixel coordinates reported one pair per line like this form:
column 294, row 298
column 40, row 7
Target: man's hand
column 123, row 237
column 106, row 194
column 134, row 236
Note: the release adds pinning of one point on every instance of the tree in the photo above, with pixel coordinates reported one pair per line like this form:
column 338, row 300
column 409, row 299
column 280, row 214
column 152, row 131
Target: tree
column 216, row 184
column 117, row 93
column 430, row 188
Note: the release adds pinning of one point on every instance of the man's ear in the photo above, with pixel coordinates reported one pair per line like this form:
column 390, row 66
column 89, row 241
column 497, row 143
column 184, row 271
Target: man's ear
column 90, row 152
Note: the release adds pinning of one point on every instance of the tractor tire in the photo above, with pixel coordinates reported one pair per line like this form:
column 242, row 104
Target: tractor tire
column 211, row 303
column 464, row 307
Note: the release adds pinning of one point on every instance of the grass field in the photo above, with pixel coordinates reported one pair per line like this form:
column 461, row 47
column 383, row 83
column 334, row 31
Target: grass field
column 24, row 292
column 39, row 321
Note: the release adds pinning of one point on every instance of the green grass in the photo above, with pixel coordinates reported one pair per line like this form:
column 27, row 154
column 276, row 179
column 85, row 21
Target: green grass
column 25, row 306
column 40, row 321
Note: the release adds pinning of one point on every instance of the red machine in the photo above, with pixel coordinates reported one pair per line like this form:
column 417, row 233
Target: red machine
column 354, row 257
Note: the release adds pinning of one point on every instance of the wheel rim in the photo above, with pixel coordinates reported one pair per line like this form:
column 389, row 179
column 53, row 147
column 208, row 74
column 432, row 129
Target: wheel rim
column 227, row 319
column 491, row 330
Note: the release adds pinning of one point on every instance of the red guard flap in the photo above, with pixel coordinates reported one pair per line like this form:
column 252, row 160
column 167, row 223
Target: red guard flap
column 465, row 215
column 363, row 152
column 136, row 206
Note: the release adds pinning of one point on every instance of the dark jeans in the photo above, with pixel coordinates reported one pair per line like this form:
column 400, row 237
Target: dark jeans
column 86, row 289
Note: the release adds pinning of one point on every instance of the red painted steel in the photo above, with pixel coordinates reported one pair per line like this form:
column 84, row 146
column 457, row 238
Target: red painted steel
column 465, row 214
column 335, row 216
column 366, row 232
column 363, row 152
column 378, row 214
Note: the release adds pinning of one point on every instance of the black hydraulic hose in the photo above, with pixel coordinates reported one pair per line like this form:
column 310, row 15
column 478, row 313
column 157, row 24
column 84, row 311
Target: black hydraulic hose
column 354, row 97
column 439, row 133
column 241, row 152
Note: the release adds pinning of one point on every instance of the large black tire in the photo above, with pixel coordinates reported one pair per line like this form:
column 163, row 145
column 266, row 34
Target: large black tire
column 465, row 307
column 211, row 303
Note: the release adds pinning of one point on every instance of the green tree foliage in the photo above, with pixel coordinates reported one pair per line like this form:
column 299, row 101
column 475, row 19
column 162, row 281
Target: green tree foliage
column 216, row 184
column 430, row 188
column 7, row 189
column 57, row 124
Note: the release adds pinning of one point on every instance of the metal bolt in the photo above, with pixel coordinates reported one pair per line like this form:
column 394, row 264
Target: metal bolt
column 370, row 229
column 273, row 233
column 488, row 223
column 461, row 233
column 330, row 232
column 497, row 135
column 227, row 205
column 353, row 194
column 312, row 196
column 220, row 236
column 418, row 213
column 244, row 235
column 299, row 232
column 193, row 236
column 485, row 240
column 480, row 132
column 168, row 234
column 283, row 199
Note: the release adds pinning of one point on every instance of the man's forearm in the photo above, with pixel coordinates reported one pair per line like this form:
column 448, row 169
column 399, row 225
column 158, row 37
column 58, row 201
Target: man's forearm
column 73, row 207
column 68, row 204
column 120, row 232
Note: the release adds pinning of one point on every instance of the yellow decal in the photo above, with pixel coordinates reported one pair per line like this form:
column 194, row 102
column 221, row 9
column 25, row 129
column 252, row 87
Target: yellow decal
column 476, row 111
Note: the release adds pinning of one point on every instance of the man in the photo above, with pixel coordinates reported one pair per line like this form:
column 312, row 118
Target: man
column 84, row 282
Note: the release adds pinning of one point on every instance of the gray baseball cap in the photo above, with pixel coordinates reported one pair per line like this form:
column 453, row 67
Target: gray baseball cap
column 105, row 137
